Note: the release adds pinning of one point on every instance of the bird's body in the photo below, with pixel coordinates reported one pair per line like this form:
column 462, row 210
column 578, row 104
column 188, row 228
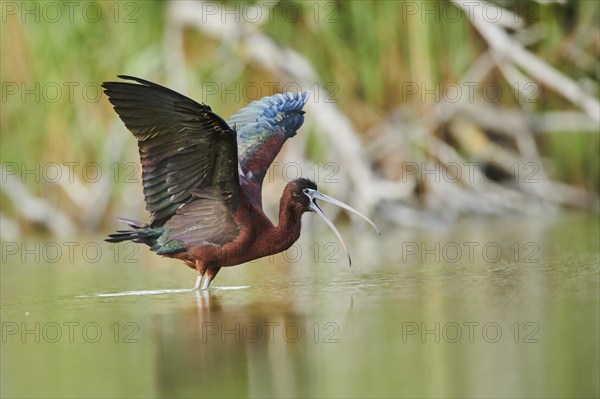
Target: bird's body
column 203, row 177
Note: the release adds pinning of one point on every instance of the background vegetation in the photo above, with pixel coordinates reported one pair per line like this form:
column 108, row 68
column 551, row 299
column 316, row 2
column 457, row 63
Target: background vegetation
column 363, row 54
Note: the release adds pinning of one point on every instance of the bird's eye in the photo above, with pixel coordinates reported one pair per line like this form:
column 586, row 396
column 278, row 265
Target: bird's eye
column 305, row 191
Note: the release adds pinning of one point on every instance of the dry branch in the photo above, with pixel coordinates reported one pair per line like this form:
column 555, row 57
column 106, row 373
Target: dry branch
column 500, row 42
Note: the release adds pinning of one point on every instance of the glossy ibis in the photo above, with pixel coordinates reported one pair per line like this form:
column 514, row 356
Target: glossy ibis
column 203, row 177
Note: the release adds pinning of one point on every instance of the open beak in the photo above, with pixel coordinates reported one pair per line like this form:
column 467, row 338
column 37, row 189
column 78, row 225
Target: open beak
column 314, row 195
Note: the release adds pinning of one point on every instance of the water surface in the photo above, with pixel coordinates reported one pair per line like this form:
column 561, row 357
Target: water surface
column 487, row 308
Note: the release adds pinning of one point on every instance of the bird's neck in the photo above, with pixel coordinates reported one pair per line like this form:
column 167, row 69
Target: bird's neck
column 288, row 229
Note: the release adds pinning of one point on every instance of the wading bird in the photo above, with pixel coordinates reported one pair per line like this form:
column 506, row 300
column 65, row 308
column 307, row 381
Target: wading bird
column 203, row 177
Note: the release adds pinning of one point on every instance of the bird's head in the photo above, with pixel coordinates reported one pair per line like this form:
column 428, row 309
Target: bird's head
column 302, row 195
column 296, row 194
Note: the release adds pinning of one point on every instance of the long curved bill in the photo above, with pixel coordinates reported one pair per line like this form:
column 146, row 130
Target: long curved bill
column 314, row 195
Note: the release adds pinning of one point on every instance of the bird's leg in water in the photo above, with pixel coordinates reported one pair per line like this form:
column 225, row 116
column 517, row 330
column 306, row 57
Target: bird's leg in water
column 201, row 271
column 210, row 275
column 198, row 282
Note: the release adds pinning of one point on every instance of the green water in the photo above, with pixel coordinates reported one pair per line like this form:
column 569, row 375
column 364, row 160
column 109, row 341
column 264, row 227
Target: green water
column 483, row 309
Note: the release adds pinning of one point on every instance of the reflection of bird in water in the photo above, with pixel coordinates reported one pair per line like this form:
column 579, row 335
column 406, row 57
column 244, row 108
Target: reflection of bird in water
column 233, row 345
column 203, row 177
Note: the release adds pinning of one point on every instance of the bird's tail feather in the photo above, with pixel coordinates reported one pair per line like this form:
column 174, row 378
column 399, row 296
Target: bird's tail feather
column 154, row 237
column 140, row 233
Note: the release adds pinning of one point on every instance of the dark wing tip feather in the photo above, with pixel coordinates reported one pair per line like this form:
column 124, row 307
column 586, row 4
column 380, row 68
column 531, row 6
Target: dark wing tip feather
column 183, row 144
column 113, row 89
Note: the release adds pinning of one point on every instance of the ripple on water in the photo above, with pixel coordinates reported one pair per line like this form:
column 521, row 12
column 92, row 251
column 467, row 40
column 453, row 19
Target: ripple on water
column 159, row 292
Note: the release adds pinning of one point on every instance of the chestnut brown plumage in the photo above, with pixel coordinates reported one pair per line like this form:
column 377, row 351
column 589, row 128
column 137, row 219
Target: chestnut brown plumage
column 202, row 176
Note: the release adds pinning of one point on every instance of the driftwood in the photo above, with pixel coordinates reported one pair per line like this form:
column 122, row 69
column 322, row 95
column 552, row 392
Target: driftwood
column 35, row 209
column 500, row 42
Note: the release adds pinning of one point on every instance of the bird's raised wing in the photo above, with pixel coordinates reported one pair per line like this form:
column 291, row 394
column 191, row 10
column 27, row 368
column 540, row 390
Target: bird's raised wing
column 262, row 128
column 183, row 145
